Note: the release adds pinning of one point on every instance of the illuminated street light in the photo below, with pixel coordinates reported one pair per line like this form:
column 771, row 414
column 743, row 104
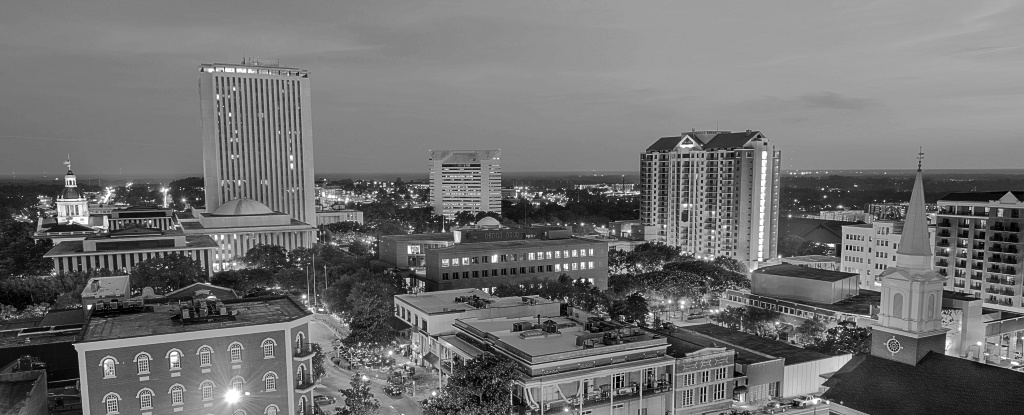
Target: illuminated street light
column 232, row 396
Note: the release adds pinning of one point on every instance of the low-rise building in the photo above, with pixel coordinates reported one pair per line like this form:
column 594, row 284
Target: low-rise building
column 241, row 224
column 49, row 339
column 327, row 217
column 250, row 355
column 141, row 217
column 410, row 251
column 705, row 375
column 23, row 388
column 120, row 250
column 106, row 290
column 431, row 315
column 578, row 364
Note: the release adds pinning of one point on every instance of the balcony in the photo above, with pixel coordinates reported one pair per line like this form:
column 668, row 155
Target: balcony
column 303, row 352
column 942, row 263
column 600, row 398
column 304, row 384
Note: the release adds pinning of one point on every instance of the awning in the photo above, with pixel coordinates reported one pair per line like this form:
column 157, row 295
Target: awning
column 398, row 324
column 432, row 359
column 461, row 347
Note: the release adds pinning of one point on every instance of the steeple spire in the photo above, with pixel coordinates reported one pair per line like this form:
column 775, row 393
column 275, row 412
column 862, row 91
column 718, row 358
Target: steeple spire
column 915, row 248
column 68, row 163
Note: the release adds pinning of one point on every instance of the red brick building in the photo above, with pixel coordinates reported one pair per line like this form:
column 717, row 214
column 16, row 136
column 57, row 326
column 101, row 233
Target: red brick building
column 240, row 357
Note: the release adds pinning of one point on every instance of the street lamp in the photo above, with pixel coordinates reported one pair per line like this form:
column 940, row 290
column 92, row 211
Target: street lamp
column 232, row 396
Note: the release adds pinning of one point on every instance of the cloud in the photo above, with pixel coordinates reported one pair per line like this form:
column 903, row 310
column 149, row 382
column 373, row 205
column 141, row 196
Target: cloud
column 832, row 100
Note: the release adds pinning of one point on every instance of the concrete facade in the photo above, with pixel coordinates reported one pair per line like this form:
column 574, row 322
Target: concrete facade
column 465, row 181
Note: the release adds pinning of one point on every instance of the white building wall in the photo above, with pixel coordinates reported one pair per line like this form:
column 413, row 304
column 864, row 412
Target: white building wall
column 805, row 378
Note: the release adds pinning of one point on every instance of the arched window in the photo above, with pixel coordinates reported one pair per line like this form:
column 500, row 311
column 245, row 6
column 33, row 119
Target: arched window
column 177, row 393
column 205, row 355
column 237, row 383
column 111, row 402
column 142, row 360
column 145, row 396
column 108, row 363
column 268, row 348
column 931, row 306
column 174, row 359
column 300, row 375
column 207, row 389
column 271, row 410
column 239, row 412
column 270, row 381
column 300, row 340
column 235, row 350
column 897, row 305
column 302, row 405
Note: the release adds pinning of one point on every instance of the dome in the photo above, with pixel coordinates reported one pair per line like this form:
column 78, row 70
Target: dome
column 488, row 222
column 69, row 193
column 239, row 207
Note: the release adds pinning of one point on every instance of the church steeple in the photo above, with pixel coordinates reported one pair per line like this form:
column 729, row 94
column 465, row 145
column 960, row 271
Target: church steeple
column 910, row 315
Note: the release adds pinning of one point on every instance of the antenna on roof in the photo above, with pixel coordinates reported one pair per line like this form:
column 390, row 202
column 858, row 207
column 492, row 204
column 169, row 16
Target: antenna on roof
column 920, row 158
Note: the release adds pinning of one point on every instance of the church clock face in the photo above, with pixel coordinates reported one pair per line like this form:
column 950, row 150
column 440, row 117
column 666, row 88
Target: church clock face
column 893, row 345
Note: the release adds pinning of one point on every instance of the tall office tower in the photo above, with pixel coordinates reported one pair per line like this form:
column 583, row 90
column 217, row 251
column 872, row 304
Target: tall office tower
column 257, row 136
column 980, row 243
column 713, row 193
column 465, row 180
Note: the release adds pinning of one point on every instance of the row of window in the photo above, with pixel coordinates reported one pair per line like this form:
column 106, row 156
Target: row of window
column 530, row 256
column 112, row 401
column 174, row 357
column 697, row 396
column 705, row 376
column 521, row 270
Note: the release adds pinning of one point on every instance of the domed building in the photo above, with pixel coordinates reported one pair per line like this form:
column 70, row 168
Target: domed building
column 72, row 206
column 241, row 224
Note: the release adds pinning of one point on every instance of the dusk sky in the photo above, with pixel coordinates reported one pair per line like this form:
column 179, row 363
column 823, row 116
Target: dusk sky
column 557, row 85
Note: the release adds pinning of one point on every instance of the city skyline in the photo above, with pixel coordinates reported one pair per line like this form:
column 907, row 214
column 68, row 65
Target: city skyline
column 558, row 87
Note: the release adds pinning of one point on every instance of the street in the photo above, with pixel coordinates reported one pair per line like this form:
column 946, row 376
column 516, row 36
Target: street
column 338, row 378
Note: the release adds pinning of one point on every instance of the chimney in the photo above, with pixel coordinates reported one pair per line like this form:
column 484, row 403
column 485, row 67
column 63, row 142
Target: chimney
column 95, row 285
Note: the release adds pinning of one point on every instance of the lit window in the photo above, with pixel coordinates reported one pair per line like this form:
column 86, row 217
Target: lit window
column 174, row 359
column 444, row 262
column 590, row 264
column 548, row 254
column 108, row 367
column 465, row 261
column 531, row 256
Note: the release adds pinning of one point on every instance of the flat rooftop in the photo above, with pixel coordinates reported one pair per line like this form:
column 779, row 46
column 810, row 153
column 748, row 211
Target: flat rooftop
column 250, row 312
column 106, row 286
column 435, row 302
column 682, row 342
column 792, row 354
column 534, row 343
column 796, row 271
column 813, row 258
column 447, row 236
column 14, row 395
column 75, row 247
column 861, row 303
column 519, row 243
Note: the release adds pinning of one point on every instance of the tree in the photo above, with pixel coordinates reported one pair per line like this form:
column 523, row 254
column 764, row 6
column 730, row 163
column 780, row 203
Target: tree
column 20, row 254
column 842, row 339
column 167, row 273
column 358, row 398
column 369, row 311
column 246, row 281
column 480, row 386
column 318, row 361
column 270, row 257
column 633, row 308
column 811, row 329
column 730, row 264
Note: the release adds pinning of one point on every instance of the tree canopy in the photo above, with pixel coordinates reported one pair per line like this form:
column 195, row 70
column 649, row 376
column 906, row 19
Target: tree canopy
column 167, row 273
column 846, row 337
column 480, row 386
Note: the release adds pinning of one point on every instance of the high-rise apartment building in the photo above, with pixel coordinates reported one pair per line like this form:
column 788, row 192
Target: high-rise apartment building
column 869, row 249
column 713, row 193
column 465, row 180
column 979, row 243
column 257, row 136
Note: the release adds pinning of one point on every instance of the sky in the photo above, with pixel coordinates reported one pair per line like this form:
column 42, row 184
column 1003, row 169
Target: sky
column 556, row 85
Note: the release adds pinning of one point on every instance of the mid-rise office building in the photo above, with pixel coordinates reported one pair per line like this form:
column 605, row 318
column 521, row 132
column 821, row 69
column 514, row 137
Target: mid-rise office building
column 846, row 215
column 241, row 224
column 713, row 193
column 120, row 250
column 579, row 364
column 980, row 244
column 465, row 181
column 868, row 249
column 258, row 136
column 246, row 356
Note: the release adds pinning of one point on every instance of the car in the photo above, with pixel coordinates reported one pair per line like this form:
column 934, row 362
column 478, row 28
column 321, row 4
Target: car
column 774, row 407
column 324, row 400
column 806, row 400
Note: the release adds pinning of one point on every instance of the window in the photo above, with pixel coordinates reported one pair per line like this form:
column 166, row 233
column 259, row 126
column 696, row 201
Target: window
column 548, row 254
column 619, row 380
column 174, row 359
column 145, row 398
column 476, row 274
column 565, row 253
column 268, row 348
column 205, row 355
column 237, row 383
column 235, row 350
column 718, row 392
column 207, row 389
column 590, row 252
column 532, row 256
column 494, row 258
column 705, row 376
column 177, row 394
column 444, row 262
column 689, row 379
column 465, row 261
column 590, row 264
column 558, row 267
column 575, row 266
column 271, row 410
column 773, row 389
column 575, row 253
column 108, row 367
column 142, row 359
column 702, row 394
column 111, row 402
column 687, row 398
column 558, row 254
column 270, row 381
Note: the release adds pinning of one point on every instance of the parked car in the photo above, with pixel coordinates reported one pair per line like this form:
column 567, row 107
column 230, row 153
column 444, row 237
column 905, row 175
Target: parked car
column 774, row 407
column 806, row 400
column 324, row 400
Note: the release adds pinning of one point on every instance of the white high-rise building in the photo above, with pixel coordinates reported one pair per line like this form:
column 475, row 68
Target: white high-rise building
column 869, row 249
column 258, row 136
column 465, row 180
column 713, row 193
